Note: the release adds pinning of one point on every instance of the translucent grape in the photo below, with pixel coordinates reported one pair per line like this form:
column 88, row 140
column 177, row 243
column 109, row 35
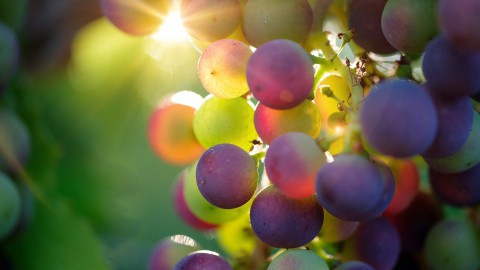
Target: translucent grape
column 456, row 21
column 169, row 251
column 225, row 121
column 449, row 71
column 271, row 123
column 226, row 176
column 267, row 20
column 453, row 244
column 391, row 126
column 204, row 210
column 10, row 206
column 222, row 67
column 170, row 130
column 409, row 25
column 280, row 74
column 335, row 229
column 365, row 16
column 203, row 259
column 210, row 20
column 407, row 182
column 375, row 242
column 292, row 162
column 298, row 259
column 135, row 17
column 182, row 209
column 236, row 237
column 9, row 54
column 15, row 145
column 281, row 221
column 328, row 105
column 351, row 188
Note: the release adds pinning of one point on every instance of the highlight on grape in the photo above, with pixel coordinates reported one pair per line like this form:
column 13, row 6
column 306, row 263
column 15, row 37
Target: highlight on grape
column 336, row 134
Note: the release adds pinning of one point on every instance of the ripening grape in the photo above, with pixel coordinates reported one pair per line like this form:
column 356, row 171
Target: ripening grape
column 391, row 126
column 10, row 206
column 465, row 158
column 353, row 188
column 453, row 243
column 169, row 251
column 226, row 176
column 267, row 20
column 225, row 121
column 204, row 210
column 285, row 222
column 414, row 223
column 271, row 123
column 9, row 54
column 170, row 129
column 450, row 71
column 280, row 74
column 375, row 242
column 455, row 119
column 204, row 260
column 353, row 265
column 222, row 68
column 457, row 17
column 236, row 237
column 409, row 25
column 298, row 259
column 335, row 229
column 365, row 16
column 136, row 17
column 320, row 10
column 210, row 20
column 459, row 189
column 329, row 105
column 292, row 162
column 15, row 143
column 182, row 209
column 407, row 182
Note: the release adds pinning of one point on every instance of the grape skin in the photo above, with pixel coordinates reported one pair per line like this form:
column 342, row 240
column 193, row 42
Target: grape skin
column 226, row 176
column 284, row 222
column 10, row 206
column 365, row 16
column 280, row 74
column 204, row 260
column 169, row 251
column 298, row 259
column 391, row 126
column 15, row 141
column 353, row 265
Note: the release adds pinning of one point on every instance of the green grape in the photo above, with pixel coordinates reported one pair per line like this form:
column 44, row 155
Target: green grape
column 9, row 206
column 453, row 243
column 464, row 159
column 329, row 105
column 205, row 210
column 298, row 259
column 225, row 121
column 222, row 68
column 237, row 237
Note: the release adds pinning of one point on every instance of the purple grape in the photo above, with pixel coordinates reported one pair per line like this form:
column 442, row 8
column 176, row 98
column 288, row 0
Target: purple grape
column 375, row 242
column 449, row 71
column 455, row 119
column 226, row 176
column 280, row 74
column 285, row 222
column 352, row 188
column 457, row 17
column 398, row 118
column 459, row 189
column 203, row 260
column 409, row 25
column 353, row 265
column 292, row 162
column 365, row 17
column 169, row 251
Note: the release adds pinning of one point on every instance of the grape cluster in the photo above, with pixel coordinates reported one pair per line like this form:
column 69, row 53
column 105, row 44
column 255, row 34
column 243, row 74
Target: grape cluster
column 337, row 134
column 16, row 200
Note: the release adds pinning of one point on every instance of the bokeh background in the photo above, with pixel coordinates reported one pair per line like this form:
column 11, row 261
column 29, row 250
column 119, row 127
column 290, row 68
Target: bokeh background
column 100, row 196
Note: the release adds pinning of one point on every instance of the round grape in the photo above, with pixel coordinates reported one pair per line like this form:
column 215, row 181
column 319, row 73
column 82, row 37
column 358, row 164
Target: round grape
column 298, row 259
column 10, row 206
column 169, row 251
column 203, row 259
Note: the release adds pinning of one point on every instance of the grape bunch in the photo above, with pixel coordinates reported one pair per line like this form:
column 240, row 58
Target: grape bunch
column 336, row 134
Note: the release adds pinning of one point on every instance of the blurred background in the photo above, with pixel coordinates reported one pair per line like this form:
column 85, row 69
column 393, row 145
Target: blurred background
column 100, row 197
